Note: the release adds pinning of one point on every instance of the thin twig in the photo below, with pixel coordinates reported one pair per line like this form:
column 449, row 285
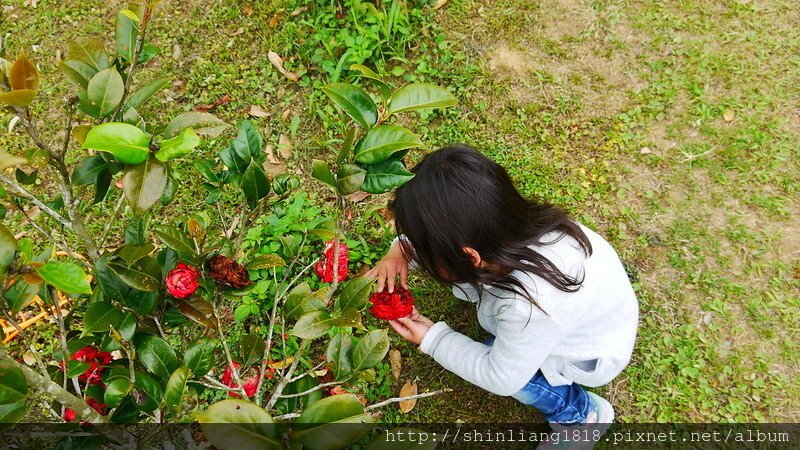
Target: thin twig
column 111, row 220
column 403, row 399
column 315, row 388
column 62, row 338
column 227, row 351
column 304, row 345
column 22, row 192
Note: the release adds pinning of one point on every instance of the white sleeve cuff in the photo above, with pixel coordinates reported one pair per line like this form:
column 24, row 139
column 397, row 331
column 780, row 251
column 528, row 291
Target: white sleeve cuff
column 432, row 338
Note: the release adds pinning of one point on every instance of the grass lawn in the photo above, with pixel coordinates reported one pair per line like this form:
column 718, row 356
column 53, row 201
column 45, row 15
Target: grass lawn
column 672, row 128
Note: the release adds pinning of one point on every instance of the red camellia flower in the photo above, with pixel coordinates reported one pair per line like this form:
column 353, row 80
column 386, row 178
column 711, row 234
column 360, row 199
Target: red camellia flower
column 102, row 408
column 392, row 306
column 249, row 385
column 69, row 415
column 181, row 281
column 96, row 360
column 324, row 266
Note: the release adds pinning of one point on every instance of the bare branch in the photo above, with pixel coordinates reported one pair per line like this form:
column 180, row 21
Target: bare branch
column 22, row 192
column 403, row 399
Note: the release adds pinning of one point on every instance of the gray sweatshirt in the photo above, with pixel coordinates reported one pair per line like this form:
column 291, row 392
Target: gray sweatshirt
column 586, row 336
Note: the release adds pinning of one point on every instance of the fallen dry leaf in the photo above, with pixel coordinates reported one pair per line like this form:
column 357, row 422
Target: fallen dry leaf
column 645, row 151
column 299, row 11
column 409, row 389
column 205, row 108
column 281, row 364
column 276, row 19
column 277, row 61
column 176, row 51
column 357, row 197
column 238, row 31
column 285, row 115
column 728, row 115
column 28, row 358
column 247, row 10
column 285, row 147
column 258, row 111
column 396, row 361
column 439, row 4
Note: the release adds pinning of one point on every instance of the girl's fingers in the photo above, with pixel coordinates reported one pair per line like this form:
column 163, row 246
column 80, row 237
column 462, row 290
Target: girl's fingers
column 370, row 273
column 390, row 281
column 381, row 278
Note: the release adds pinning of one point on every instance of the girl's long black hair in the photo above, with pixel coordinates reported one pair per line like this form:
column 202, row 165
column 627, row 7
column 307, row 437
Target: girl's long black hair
column 460, row 198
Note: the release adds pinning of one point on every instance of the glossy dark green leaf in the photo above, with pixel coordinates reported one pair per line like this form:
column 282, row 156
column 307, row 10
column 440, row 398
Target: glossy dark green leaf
column 420, row 96
column 144, row 184
column 103, row 93
column 205, row 124
column 102, row 185
column 178, row 146
column 255, row 183
column 90, row 51
column 248, row 142
column 8, row 248
column 301, row 300
column 148, row 394
column 370, row 350
column 238, row 425
column 329, row 413
column 122, row 332
column 176, row 388
column 198, row 310
column 127, row 143
column 156, row 355
column 66, row 277
column 13, row 385
column 322, row 172
column 20, row 294
column 75, row 368
column 206, row 168
column 312, row 325
column 355, row 294
column 354, row 101
column 381, row 142
column 199, row 356
column 127, row 29
column 116, row 390
column 99, row 316
column 149, row 51
column 25, row 178
column 234, row 161
column 176, row 239
column 111, row 285
column 284, row 183
column 78, row 72
column 385, row 177
column 252, row 347
column 350, row 178
column 136, row 231
column 145, row 92
column 338, row 352
column 169, row 191
column 87, row 170
column 143, row 275
column 142, row 302
column 132, row 253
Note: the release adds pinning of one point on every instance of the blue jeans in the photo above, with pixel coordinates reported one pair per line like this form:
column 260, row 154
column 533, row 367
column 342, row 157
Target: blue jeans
column 567, row 404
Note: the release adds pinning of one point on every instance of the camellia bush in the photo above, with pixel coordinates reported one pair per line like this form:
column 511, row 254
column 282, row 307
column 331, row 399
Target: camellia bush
column 141, row 320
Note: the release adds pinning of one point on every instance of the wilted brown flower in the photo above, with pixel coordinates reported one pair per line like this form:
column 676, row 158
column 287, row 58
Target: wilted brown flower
column 227, row 272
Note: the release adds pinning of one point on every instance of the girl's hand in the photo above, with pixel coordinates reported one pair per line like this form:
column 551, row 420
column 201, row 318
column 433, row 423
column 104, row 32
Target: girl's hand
column 412, row 327
column 388, row 268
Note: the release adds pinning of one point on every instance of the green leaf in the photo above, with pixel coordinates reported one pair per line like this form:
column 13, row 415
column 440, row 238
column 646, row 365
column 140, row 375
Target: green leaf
column 131, row 253
column 233, row 161
column 149, row 51
column 248, row 142
column 136, row 231
column 156, row 355
column 238, row 425
column 355, row 293
column 354, row 101
column 90, row 51
column 370, row 350
column 255, row 183
column 66, row 277
column 78, row 72
column 420, row 96
column 265, row 262
column 386, row 176
column 347, row 146
column 176, row 239
column 301, row 301
column 151, row 392
column 143, row 275
column 199, row 356
column 176, row 388
column 21, row 97
column 205, row 124
column 99, row 316
column 123, row 331
column 8, row 248
column 20, row 294
column 350, row 178
column 110, row 284
column 127, row 28
column 169, row 191
column 87, row 170
column 322, row 172
column 198, row 310
column 178, row 146
column 75, row 368
column 383, row 141
column 312, row 325
column 144, row 184
column 206, row 168
column 104, row 93
column 329, row 412
column 132, row 117
column 252, row 349
column 116, row 390
column 142, row 302
column 145, row 92
column 13, row 386
column 127, row 143
column 366, row 72
column 338, row 353
column 284, row 183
